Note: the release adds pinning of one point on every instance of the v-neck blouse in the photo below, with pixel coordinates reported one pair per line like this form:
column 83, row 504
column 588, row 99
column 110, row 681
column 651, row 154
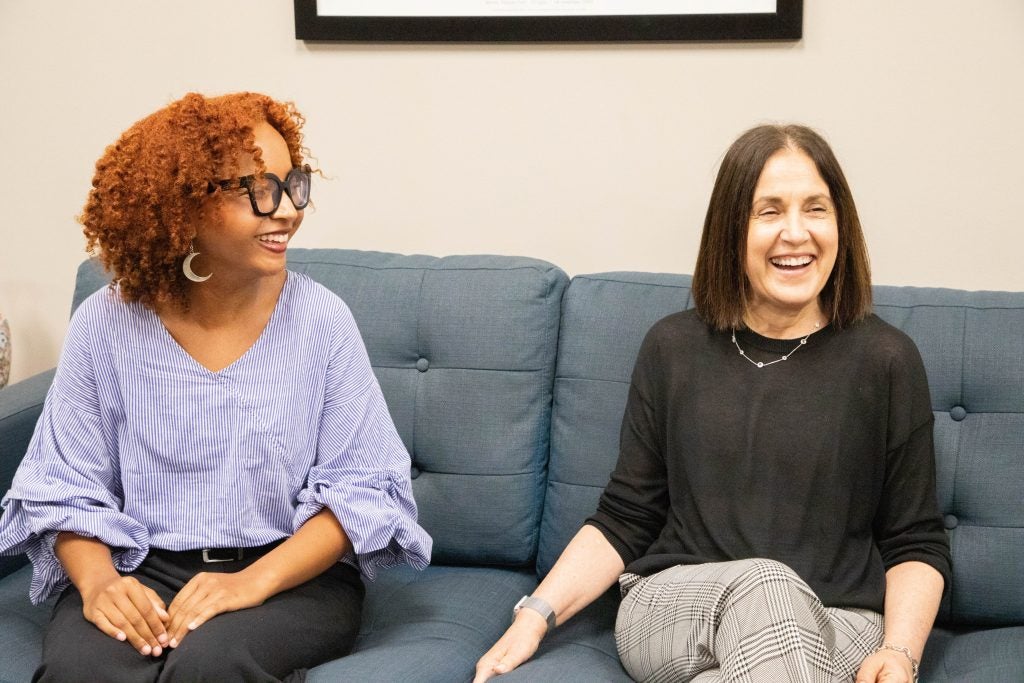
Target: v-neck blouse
column 141, row 446
column 189, row 359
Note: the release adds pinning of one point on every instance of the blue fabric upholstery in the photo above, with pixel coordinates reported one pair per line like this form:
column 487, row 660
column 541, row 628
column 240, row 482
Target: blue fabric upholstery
column 581, row 651
column 974, row 656
column 972, row 344
column 431, row 625
column 465, row 350
column 91, row 277
column 20, row 407
column 604, row 320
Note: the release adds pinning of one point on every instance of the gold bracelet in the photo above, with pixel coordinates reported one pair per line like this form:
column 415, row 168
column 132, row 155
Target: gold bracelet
column 906, row 652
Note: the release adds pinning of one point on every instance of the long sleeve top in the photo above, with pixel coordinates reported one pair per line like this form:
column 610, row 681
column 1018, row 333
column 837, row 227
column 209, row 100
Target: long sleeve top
column 141, row 447
column 824, row 461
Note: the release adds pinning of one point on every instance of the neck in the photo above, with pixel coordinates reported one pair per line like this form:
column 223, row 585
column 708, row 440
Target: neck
column 785, row 324
column 213, row 304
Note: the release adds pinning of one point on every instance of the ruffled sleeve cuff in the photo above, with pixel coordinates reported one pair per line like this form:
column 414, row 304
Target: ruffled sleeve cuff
column 31, row 528
column 377, row 512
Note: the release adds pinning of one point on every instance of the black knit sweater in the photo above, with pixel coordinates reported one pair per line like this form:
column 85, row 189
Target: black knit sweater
column 823, row 461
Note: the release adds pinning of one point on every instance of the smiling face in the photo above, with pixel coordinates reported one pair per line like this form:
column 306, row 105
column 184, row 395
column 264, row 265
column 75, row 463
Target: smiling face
column 792, row 241
column 234, row 242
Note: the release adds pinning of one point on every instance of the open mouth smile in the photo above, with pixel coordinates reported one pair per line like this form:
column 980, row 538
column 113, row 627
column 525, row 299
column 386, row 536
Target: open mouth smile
column 791, row 263
column 276, row 242
column 278, row 237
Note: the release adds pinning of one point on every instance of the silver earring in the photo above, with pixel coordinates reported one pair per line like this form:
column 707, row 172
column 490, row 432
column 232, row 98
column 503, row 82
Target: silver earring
column 186, row 267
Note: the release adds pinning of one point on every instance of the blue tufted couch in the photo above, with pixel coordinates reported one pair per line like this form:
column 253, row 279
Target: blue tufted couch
column 507, row 383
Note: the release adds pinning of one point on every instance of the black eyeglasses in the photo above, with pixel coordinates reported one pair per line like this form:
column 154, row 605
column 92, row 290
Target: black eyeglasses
column 265, row 190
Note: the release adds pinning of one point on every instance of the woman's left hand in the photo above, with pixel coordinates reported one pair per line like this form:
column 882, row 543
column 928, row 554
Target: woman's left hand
column 886, row 666
column 206, row 596
column 309, row 552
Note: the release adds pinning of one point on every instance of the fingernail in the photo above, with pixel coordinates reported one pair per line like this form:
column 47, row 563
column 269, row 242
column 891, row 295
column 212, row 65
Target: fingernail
column 193, row 626
column 121, row 636
column 146, row 649
column 174, row 642
column 162, row 638
column 157, row 651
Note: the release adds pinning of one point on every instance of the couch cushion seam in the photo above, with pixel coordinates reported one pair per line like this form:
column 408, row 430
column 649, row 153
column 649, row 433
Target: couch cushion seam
column 972, row 307
column 299, row 261
column 26, row 409
column 633, row 282
column 444, row 367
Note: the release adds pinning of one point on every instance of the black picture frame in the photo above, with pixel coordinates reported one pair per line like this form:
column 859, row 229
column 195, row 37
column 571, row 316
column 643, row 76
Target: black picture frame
column 785, row 24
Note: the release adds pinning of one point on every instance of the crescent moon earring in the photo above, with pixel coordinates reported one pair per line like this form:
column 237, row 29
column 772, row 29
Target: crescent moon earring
column 186, row 267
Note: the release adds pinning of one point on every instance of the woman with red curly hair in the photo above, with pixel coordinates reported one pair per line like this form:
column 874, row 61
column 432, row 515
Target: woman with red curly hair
column 215, row 464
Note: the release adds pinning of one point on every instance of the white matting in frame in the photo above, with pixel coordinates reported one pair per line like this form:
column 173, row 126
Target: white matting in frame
column 525, row 8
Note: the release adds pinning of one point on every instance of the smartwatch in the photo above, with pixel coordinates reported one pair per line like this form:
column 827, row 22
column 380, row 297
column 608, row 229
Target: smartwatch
column 539, row 606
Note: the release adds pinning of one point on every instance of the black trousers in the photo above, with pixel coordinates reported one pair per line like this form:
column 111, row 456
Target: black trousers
column 294, row 630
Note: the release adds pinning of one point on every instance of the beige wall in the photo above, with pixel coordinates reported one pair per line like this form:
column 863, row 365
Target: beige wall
column 594, row 157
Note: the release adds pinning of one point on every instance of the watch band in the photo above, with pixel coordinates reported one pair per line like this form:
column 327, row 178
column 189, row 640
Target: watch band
column 539, row 606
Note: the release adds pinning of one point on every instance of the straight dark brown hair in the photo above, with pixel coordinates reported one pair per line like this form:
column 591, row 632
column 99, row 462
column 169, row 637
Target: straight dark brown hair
column 720, row 287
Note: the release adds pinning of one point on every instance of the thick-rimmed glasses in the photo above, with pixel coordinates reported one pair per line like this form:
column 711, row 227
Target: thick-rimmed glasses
column 265, row 190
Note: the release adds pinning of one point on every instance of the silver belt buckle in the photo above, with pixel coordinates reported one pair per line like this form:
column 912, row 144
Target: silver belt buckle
column 210, row 560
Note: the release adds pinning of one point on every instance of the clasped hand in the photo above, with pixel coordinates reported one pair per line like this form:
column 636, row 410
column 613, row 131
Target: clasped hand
column 125, row 609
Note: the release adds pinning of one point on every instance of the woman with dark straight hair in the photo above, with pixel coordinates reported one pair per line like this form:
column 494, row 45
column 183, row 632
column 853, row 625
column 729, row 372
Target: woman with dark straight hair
column 773, row 515
column 720, row 290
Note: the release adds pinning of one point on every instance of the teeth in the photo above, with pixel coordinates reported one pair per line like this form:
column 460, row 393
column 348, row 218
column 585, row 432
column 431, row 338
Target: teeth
column 791, row 260
column 279, row 238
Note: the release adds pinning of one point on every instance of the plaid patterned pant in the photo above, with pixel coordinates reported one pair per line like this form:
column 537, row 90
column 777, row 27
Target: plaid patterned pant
column 749, row 621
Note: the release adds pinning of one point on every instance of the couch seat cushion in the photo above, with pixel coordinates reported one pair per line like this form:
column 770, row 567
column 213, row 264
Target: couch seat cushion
column 21, row 636
column 581, row 651
column 994, row 655
column 429, row 626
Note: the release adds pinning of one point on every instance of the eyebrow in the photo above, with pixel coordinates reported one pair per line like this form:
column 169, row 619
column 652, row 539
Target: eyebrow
column 813, row 198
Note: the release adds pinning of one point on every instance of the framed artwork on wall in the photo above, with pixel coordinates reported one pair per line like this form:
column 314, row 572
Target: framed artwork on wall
column 530, row 21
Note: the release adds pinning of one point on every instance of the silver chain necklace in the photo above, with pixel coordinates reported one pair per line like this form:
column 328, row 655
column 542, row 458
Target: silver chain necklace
column 796, row 348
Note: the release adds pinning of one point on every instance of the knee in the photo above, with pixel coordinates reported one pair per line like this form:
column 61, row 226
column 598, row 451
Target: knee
column 200, row 658
column 773, row 583
column 770, row 569
column 86, row 670
column 89, row 656
column 762, row 571
column 760, row 576
column 61, row 671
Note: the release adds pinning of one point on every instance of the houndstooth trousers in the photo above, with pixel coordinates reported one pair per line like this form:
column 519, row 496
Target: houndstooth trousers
column 748, row 621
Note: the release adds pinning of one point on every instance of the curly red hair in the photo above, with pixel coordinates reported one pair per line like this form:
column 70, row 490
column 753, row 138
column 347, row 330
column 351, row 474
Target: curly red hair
column 151, row 185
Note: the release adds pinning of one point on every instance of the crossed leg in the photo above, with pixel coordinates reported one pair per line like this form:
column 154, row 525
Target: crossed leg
column 745, row 621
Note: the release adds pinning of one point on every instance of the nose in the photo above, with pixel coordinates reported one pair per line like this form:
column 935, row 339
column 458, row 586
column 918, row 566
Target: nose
column 794, row 231
column 286, row 209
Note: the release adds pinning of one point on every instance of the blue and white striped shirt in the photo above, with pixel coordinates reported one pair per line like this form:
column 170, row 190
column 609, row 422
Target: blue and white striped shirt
column 140, row 446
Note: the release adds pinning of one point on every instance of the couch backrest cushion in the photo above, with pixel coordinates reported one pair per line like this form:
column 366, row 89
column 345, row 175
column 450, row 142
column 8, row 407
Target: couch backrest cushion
column 604, row 320
column 91, row 277
column 464, row 349
column 972, row 344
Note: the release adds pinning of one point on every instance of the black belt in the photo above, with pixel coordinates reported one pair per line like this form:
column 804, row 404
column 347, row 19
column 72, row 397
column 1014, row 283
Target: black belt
column 216, row 555
column 222, row 554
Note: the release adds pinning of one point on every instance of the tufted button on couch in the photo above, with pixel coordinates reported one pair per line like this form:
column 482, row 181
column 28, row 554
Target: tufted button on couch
column 507, row 383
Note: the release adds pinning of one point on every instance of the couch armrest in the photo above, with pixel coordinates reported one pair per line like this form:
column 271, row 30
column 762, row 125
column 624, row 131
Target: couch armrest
column 20, row 406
